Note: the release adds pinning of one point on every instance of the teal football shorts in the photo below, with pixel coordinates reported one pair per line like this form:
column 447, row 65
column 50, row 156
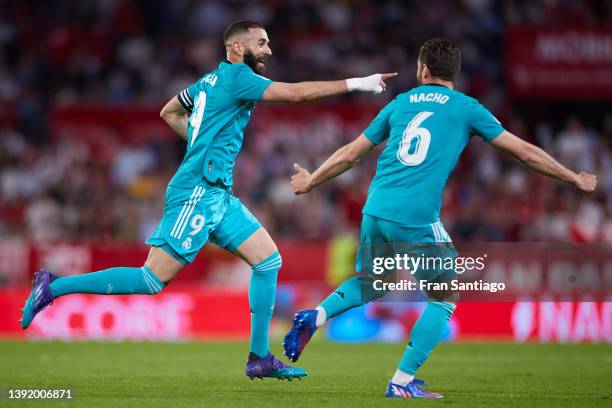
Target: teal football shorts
column 381, row 238
column 200, row 214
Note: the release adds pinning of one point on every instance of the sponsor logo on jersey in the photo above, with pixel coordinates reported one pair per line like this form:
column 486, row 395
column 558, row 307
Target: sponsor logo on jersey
column 210, row 79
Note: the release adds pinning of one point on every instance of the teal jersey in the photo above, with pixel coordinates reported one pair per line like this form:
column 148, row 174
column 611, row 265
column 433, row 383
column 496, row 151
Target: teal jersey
column 220, row 105
column 427, row 129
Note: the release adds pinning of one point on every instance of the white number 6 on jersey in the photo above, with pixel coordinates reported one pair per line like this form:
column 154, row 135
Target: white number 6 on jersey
column 415, row 141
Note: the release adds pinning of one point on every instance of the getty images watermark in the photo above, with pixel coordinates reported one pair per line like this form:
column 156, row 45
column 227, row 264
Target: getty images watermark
column 481, row 272
column 432, row 264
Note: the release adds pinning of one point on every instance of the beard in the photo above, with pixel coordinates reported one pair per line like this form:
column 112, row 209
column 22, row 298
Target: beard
column 252, row 61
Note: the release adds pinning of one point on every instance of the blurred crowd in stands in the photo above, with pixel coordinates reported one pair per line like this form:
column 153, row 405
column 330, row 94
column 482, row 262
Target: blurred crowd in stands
column 73, row 53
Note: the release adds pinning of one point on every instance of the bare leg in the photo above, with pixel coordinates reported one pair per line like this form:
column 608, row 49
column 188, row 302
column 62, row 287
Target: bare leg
column 162, row 264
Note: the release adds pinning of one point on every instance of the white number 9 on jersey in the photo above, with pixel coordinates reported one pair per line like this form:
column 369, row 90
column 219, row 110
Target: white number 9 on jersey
column 415, row 141
column 195, row 120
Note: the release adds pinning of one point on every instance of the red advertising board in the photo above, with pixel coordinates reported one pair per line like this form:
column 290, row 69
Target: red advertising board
column 563, row 322
column 562, row 63
column 175, row 314
column 210, row 299
column 204, row 312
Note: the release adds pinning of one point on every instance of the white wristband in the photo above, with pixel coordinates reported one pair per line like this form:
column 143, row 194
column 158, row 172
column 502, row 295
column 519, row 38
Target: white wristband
column 367, row 84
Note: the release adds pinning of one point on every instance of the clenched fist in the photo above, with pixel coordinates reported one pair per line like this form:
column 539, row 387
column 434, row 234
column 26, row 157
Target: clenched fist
column 586, row 182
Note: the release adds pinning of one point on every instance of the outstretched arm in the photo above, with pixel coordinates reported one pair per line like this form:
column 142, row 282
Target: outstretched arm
column 311, row 91
column 339, row 162
column 540, row 161
column 175, row 115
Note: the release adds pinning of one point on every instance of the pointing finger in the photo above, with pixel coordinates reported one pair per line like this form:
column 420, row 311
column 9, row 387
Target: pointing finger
column 388, row 75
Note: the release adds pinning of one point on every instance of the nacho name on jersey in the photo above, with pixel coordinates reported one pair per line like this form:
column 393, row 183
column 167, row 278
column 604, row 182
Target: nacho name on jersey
column 429, row 97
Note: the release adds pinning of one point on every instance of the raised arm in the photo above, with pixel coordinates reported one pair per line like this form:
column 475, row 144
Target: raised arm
column 343, row 159
column 175, row 115
column 311, row 91
column 540, row 161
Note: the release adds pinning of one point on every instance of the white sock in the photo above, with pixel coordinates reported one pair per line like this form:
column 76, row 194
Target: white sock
column 321, row 316
column 401, row 378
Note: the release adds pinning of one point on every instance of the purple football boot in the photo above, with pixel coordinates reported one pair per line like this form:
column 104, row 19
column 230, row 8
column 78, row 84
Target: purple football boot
column 39, row 298
column 271, row 367
column 303, row 327
column 412, row 390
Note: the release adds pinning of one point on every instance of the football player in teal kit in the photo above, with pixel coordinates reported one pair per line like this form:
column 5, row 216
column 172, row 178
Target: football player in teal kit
column 211, row 115
column 426, row 129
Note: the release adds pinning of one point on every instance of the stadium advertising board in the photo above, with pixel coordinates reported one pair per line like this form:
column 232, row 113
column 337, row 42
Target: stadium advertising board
column 177, row 315
column 564, row 63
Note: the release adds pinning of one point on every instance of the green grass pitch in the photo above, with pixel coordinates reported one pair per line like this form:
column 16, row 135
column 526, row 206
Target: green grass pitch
column 211, row 374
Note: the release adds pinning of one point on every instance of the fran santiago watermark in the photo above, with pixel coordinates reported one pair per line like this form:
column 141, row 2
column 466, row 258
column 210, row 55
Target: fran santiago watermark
column 424, row 285
column 433, row 264
column 433, row 269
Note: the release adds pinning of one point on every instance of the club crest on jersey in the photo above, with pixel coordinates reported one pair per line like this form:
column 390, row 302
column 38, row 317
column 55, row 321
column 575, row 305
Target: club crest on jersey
column 187, row 244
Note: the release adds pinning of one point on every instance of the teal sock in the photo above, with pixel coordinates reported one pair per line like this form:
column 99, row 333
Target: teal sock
column 262, row 292
column 353, row 292
column 113, row 281
column 425, row 334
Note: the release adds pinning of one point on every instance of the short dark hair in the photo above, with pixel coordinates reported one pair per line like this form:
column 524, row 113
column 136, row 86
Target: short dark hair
column 239, row 27
column 442, row 57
